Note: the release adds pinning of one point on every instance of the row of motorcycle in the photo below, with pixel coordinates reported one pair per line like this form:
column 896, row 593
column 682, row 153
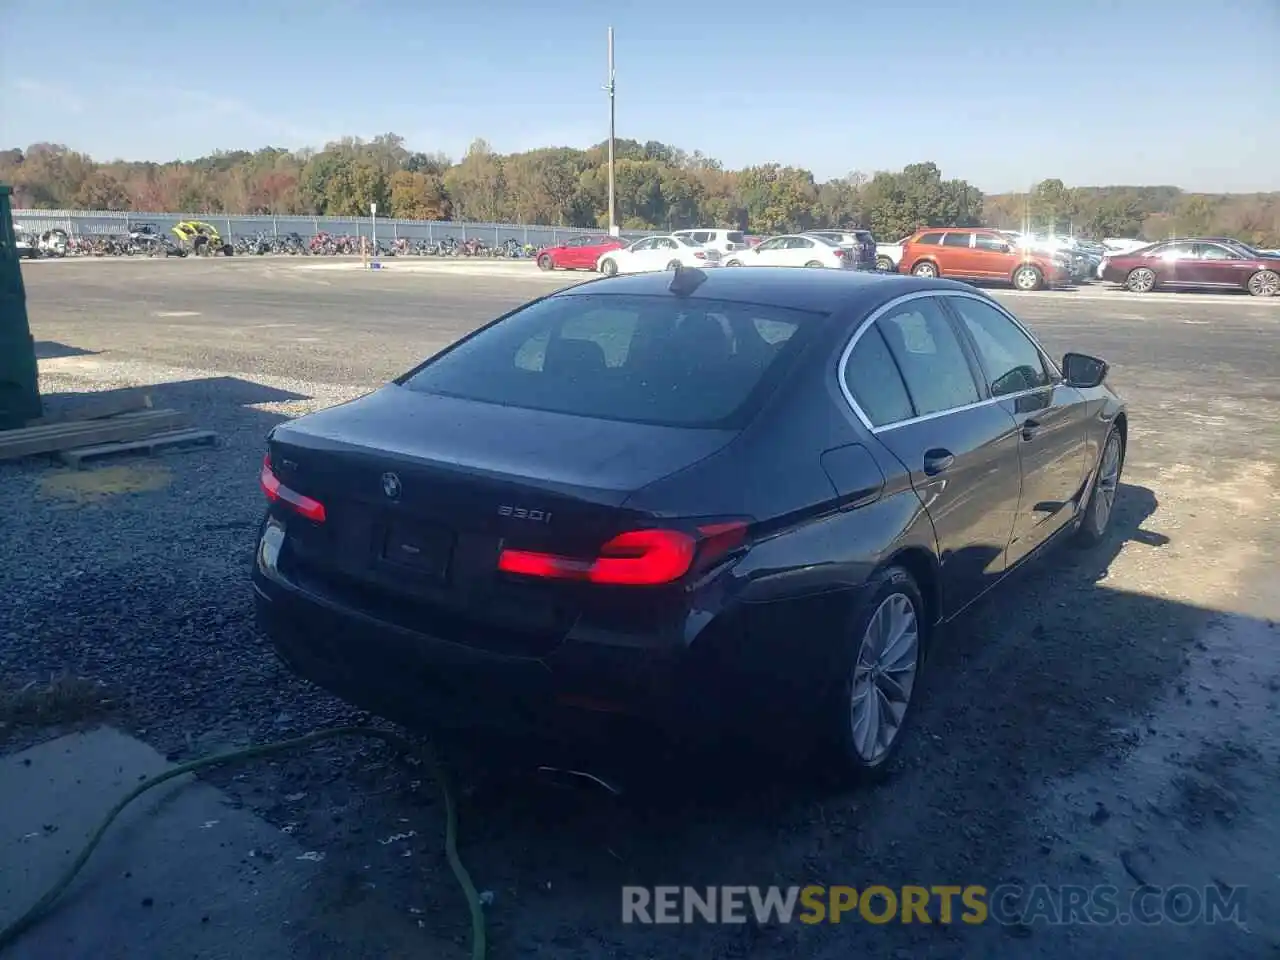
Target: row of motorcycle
column 147, row 241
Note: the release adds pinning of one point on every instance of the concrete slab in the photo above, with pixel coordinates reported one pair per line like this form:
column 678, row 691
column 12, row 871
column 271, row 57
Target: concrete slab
column 181, row 873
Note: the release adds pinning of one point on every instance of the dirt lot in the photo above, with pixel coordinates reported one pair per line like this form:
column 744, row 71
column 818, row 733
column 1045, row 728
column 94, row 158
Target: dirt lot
column 1110, row 718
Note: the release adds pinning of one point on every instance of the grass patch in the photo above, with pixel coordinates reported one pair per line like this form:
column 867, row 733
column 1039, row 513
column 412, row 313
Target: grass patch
column 60, row 700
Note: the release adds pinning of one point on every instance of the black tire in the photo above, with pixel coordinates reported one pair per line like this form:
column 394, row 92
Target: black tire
column 1027, row 277
column 814, row 263
column 609, row 268
column 839, row 759
column 1094, row 523
column 1265, row 283
column 546, row 263
column 884, row 265
column 1140, row 280
column 674, row 265
column 926, row 269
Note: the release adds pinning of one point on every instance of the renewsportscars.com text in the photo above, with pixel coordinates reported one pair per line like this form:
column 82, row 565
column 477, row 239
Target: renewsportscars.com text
column 940, row 904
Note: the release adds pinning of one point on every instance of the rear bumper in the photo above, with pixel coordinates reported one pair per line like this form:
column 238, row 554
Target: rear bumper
column 749, row 666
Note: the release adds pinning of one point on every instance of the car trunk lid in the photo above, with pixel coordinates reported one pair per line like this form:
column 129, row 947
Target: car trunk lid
column 421, row 494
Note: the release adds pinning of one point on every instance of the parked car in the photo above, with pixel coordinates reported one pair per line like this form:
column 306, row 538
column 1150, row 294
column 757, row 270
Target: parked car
column 1195, row 264
column 970, row 254
column 25, row 247
column 889, row 255
column 723, row 241
column 578, row 253
column 794, row 250
column 860, row 243
column 738, row 502
column 651, row 254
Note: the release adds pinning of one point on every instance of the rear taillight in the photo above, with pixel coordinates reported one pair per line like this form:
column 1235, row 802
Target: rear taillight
column 636, row 558
column 277, row 492
column 838, row 253
column 699, row 255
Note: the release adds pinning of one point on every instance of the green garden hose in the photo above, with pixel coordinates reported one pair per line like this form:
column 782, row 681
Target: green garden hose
column 478, row 941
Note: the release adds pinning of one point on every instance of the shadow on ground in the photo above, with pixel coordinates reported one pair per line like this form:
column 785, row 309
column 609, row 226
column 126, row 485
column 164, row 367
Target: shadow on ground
column 52, row 350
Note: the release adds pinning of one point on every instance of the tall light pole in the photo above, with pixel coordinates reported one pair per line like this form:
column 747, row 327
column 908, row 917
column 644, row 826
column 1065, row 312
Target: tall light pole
column 613, row 220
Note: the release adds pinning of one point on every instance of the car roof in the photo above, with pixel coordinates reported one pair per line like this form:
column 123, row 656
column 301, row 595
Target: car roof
column 822, row 291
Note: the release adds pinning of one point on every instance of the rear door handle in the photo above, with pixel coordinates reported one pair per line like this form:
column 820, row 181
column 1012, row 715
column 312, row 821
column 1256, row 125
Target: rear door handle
column 1030, row 428
column 937, row 460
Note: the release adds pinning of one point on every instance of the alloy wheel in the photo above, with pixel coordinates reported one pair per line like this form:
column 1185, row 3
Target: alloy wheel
column 1027, row 278
column 926, row 270
column 1265, row 283
column 1108, row 484
column 1141, row 280
column 884, row 677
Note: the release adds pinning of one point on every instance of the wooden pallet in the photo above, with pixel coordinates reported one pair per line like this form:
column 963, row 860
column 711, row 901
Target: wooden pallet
column 80, row 456
column 57, row 437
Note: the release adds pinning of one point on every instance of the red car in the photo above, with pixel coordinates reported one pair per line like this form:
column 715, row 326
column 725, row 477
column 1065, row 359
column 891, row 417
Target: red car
column 580, row 253
column 1195, row 264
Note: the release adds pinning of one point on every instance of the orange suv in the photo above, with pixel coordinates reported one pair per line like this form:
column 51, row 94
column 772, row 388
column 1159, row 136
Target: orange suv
column 978, row 255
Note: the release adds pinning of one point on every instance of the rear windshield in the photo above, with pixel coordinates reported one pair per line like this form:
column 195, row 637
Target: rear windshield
column 642, row 359
column 825, row 238
column 864, row 236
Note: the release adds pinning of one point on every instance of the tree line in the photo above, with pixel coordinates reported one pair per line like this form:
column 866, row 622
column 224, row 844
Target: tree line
column 657, row 187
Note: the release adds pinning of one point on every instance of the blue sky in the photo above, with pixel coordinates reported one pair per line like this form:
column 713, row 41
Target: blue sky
column 998, row 92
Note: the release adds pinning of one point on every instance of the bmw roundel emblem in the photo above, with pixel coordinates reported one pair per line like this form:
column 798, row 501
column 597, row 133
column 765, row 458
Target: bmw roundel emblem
column 391, row 485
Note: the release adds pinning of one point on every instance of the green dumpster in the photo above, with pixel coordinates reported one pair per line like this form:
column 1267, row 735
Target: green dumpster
column 19, row 381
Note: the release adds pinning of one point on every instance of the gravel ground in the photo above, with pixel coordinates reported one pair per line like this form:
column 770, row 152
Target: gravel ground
column 1110, row 717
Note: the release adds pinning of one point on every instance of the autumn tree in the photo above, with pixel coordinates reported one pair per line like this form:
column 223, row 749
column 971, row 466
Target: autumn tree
column 477, row 186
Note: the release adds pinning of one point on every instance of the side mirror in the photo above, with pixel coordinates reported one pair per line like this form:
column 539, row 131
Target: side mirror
column 1082, row 370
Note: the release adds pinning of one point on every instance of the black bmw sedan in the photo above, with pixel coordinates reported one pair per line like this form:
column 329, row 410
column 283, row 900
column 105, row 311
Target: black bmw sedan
column 728, row 505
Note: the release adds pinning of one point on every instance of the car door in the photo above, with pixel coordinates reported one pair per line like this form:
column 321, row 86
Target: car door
column 572, row 257
column 770, row 253
column 994, row 257
column 955, row 257
column 1216, row 265
column 1173, row 264
column 665, row 249
column 802, row 250
column 962, row 453
column 632, row 259
column 1048, row 414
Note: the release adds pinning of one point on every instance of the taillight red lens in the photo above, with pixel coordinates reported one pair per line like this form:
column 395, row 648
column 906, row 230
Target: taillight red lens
column 635, row 558
column 838, row 253
column 277, row 492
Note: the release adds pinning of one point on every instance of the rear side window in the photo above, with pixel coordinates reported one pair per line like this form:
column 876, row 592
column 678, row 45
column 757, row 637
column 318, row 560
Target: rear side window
column 929, row 355
column 986, row 241
column 872, row 379
column 734, row 237
column 692, row 363
column 930, row 239
column 956, row 240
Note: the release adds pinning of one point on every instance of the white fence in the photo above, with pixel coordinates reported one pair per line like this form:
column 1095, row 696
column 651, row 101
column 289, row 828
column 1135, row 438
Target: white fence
column 105, row 223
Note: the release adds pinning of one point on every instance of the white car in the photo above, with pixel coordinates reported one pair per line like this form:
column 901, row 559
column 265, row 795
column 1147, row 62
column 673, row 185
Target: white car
column 652, row 254
column 25, row 247
column 793, row 250
column 726, row 241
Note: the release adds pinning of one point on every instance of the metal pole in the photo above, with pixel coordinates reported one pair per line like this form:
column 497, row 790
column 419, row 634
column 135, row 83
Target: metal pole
column 613, row 220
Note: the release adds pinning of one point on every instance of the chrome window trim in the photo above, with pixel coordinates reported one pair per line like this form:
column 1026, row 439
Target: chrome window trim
column 1055, row 375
